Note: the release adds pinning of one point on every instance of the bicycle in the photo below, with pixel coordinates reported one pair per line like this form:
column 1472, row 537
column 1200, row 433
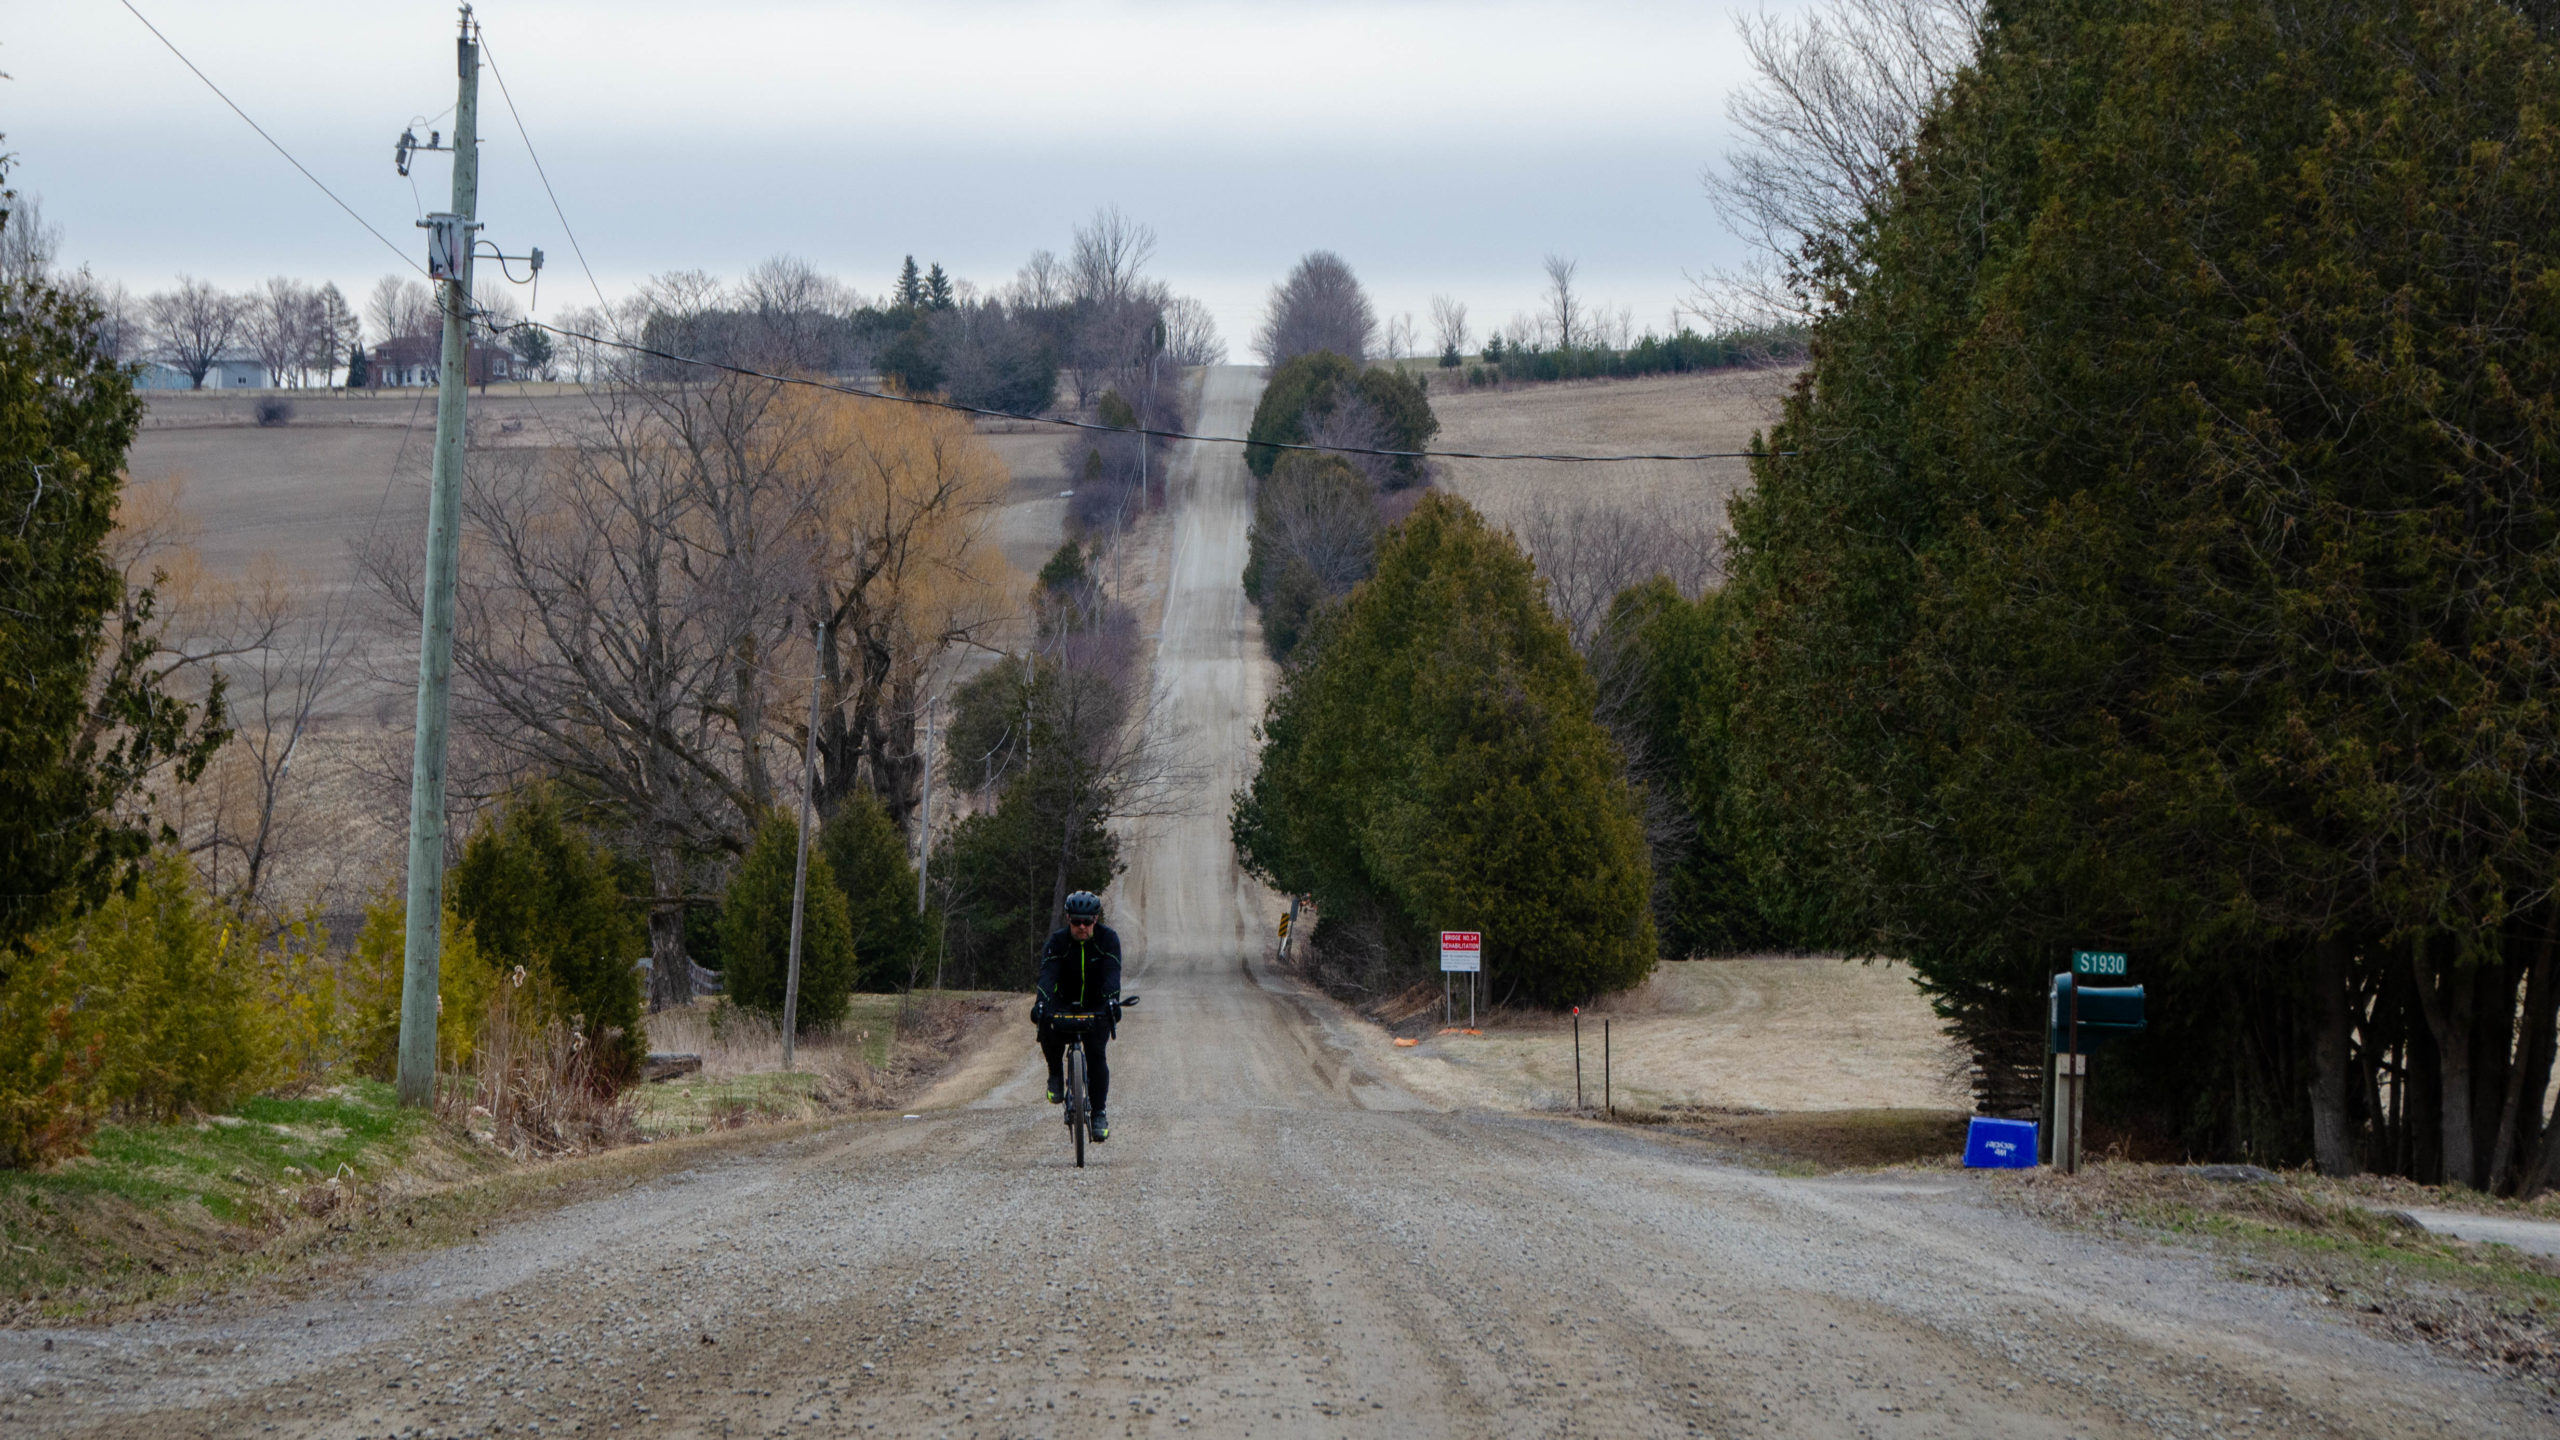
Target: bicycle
column 1079, row 1108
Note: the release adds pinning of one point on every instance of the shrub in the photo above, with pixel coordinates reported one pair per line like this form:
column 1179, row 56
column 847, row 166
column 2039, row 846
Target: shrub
column 755, row 930
column 868, row 859
column 537, row 892
column 188, row 1030
column 274, row 410
column 51, row 1049
column 151, row 1005
column 1305, row 390
column 464, row 982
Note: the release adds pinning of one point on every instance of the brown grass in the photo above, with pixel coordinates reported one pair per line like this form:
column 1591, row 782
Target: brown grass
column 2485, row 1305
column 1663, row 413
column 533, row 1091
column 1761, row 1034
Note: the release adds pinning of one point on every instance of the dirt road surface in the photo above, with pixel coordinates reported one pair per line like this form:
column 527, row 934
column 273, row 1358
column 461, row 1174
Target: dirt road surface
column 1278, row 1241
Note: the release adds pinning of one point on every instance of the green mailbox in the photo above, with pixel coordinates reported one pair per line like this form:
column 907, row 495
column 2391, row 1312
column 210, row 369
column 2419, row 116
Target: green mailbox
column 2105, row 1012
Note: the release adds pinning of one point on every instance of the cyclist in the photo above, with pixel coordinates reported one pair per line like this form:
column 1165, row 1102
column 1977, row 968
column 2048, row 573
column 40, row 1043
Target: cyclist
column 1079, row 975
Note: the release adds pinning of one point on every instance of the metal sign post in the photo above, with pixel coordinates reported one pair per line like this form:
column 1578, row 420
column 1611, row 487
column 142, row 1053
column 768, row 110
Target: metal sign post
column 2114, row 1011
column 1461, row 953
column 1577, row 1059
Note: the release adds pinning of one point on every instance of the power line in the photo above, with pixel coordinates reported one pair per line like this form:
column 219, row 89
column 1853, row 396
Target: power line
column 933, row 402
column 853, row 390
column 271, row 140
column 574, row 247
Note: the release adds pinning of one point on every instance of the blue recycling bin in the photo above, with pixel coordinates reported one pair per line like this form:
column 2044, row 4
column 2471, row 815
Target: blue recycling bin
column 2000, row 1144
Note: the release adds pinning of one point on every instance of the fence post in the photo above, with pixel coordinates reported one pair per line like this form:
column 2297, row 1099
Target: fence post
column 1577, row 1059
column 1608, row 1096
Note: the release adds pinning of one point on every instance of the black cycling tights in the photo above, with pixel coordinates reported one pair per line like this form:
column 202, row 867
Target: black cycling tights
column 1097, row 1064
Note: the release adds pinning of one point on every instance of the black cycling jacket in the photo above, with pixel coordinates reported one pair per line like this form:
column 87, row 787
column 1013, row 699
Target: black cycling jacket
column 1080, row 975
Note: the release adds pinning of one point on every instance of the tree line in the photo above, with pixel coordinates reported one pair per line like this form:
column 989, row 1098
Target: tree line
column 2158, row 556
column 1570, row 337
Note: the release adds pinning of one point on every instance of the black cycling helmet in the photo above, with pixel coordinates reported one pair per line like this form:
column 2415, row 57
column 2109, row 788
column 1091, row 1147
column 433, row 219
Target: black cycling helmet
column 1083, row 905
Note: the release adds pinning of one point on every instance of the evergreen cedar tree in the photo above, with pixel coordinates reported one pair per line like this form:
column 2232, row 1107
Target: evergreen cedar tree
column 868, row 860
column 1005, row 864
column 2167, row 562
column 1303, row 390
column 82, row 720
column 143, row 1005
column 755, row 931
column 1432, row 760
column 82, row 725
column 465, row 984
column 538, row 892
column 1668, row 661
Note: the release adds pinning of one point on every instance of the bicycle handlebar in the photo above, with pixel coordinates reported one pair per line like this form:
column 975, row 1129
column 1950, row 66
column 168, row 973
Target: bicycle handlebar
column 1086, row 1019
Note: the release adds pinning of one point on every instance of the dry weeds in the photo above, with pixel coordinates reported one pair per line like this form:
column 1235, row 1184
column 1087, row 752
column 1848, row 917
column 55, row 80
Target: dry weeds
column 2487, row 1305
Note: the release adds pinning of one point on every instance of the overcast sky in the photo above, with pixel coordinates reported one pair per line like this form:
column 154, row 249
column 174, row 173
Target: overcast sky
column 1440, row 148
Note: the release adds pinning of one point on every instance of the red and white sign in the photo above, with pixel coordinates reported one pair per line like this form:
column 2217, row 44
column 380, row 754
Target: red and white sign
column 1462, row 950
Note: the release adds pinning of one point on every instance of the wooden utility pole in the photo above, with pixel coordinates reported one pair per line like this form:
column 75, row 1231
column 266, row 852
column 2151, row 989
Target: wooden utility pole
column 800, row 870
column 924, row 827
column 449, row 250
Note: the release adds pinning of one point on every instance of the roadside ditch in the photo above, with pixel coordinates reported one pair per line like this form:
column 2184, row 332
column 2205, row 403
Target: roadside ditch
column 273, row 1198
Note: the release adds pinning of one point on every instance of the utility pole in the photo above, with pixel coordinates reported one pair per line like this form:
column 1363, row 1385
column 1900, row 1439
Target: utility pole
column 450, row 242
column 800, row 871
column 924, row 828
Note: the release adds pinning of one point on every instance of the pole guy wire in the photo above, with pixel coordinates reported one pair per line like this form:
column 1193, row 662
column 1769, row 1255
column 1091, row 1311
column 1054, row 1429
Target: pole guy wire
column 270, row 139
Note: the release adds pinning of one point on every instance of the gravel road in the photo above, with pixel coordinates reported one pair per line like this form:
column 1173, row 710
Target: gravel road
column 1278, row 1241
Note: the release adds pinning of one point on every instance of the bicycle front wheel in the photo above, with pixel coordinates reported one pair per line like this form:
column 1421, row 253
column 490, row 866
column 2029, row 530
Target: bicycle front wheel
column 1079, row 1118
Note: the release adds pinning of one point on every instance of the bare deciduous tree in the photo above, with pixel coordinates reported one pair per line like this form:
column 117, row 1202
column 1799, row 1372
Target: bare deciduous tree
column 1191, row 334
column 192, row 326
column 258, row 815
column 1042, row 282
column 27, row 244
column 796, row 312
column 1320, row 306
column 276, row 322
column 1352, row 425
column 1400, row 336
column 1110, row 253
column 909, row 569
column 121, row 331
column 1837, row 95
column 590, row 640
column 337, row 333
column 400, row 308
column 1312, row 511
column 1449, row 325
column 1564, row 306
column 260, row 642
column 1592, row 550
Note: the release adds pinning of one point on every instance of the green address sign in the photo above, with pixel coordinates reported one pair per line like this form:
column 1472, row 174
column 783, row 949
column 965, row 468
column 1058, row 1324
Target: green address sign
column 2097, row 962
